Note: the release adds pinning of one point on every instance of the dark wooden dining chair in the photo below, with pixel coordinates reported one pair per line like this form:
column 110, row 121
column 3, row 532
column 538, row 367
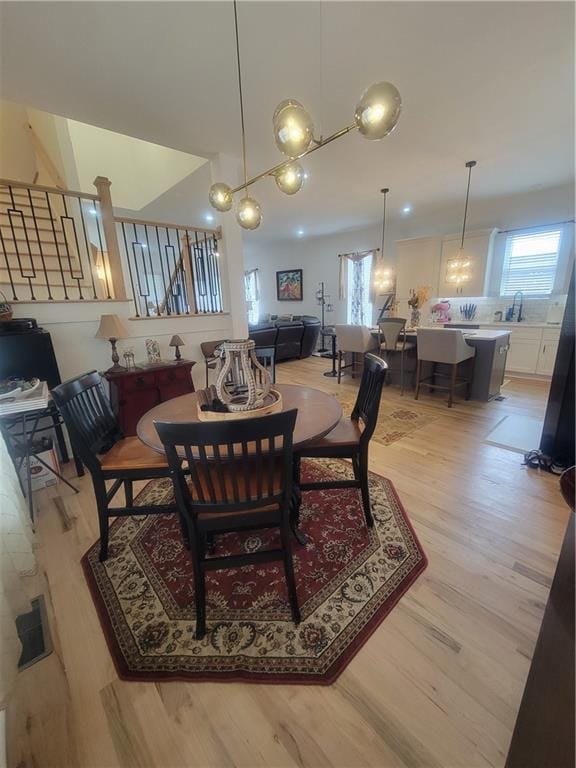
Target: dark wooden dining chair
column 350, row 438
column 266, row 356
column 240, row 478
column 109, row 456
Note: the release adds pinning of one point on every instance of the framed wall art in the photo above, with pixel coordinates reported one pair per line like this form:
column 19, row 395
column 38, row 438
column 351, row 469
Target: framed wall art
column 289, row 285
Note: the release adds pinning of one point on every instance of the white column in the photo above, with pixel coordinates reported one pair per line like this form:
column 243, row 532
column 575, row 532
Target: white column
column 227, row 169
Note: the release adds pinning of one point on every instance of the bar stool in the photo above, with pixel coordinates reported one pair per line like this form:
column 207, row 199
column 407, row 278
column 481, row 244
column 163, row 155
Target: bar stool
column 392, row 340
column 355, row 339
column 443, row 345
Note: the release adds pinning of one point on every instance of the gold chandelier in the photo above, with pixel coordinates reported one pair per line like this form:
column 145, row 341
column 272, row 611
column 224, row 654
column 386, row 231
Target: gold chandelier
column 375, row 117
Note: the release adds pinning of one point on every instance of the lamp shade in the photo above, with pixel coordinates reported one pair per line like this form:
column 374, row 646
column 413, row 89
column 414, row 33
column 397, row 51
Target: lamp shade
column 176, row 341
column 111, row 327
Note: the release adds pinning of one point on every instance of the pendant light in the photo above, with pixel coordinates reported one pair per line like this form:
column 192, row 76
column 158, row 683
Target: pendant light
column 383, row 276
column 376, row 115
column 459, row 268
column 248, row 213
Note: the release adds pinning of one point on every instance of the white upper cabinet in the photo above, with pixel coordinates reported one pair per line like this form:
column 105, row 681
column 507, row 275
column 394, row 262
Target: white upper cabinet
column 417, row 264
column 478, row 248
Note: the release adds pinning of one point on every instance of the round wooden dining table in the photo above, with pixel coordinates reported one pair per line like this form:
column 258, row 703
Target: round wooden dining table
column 318, row 413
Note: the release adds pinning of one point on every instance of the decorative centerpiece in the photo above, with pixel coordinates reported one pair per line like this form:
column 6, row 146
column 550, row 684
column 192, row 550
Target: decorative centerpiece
column 416, row 301
column 242, row 385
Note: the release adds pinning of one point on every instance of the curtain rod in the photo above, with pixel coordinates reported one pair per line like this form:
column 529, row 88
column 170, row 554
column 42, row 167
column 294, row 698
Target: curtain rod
column 358, row 253
column 536, row 226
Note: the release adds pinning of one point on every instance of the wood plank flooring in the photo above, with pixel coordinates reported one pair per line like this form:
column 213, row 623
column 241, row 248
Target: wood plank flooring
column 438, row 684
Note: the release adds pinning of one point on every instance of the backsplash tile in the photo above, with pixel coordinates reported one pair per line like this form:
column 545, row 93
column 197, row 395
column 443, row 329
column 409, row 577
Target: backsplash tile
column 533, row 310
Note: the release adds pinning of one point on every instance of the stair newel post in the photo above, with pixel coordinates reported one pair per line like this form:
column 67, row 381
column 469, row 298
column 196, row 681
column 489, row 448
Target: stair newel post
column 102, row 185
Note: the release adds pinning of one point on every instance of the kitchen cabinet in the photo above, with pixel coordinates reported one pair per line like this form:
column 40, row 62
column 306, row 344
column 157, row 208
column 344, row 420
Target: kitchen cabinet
column 547, row 352
column 478, row 247
column 417, row 264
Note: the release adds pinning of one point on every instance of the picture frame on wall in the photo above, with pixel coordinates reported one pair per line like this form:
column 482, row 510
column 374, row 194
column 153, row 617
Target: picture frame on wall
column 289, row 285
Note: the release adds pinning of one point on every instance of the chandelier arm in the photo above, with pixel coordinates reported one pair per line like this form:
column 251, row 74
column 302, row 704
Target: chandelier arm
column 274, row 170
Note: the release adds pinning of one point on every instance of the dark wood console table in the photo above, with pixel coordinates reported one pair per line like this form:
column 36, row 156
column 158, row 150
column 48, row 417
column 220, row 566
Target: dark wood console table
column 134, row 392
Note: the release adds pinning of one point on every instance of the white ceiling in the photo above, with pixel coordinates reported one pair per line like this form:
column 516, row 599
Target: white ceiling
column 491, row 81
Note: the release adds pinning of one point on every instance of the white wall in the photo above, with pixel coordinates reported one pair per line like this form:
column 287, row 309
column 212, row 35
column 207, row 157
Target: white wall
column 17, row 158
column 318, row 256
column 73, row 325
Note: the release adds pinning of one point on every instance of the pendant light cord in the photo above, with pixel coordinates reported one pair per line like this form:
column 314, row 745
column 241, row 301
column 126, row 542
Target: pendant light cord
column 241, row 98
column 470, row 164
column 384, row 192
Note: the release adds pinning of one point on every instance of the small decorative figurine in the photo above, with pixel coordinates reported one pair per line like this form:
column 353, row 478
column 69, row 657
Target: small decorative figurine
column 153, row 351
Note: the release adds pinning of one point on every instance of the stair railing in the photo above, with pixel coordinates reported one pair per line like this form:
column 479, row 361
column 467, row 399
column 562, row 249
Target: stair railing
column 173, row 269
column 52, row 239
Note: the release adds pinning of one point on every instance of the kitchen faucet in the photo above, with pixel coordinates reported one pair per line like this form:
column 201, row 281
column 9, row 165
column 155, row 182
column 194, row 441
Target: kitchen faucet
column 510, row 311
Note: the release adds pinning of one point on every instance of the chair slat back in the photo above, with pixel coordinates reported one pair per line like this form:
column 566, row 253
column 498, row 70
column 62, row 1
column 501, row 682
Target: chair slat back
column 88, row 415
column 266, row 357
column 231, row 465
column 368, row 401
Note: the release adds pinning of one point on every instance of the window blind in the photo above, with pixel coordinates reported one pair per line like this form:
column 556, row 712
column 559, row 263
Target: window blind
column 530, row 263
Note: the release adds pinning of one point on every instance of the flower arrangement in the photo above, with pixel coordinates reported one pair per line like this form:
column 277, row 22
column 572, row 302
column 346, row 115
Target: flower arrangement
column 416, row 299
column 419, row 296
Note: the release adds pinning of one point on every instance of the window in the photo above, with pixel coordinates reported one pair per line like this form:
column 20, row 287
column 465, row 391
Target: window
column 531, row 262
column 359, row 304
column 252, row 295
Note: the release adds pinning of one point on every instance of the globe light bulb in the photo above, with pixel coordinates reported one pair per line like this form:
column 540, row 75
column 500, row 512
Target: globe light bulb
column 220, row 196
column 290, row 178
column 249, row 213
column 293, row 128
column 378, row 110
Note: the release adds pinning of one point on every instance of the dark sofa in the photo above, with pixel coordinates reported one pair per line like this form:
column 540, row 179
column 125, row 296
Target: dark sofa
column 290, row 338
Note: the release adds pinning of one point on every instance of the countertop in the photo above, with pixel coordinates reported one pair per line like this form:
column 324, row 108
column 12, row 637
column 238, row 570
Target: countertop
column 480, row 334
column 507, row 325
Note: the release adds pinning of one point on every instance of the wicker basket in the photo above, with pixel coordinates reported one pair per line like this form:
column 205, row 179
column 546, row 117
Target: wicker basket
column 5, row 308
column 272, row 404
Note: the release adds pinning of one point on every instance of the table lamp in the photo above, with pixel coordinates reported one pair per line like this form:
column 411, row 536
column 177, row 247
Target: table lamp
column 112, row 328
column 177, row 342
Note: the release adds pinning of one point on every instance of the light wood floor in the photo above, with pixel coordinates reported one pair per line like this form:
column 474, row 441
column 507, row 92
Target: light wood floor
column 438, row 684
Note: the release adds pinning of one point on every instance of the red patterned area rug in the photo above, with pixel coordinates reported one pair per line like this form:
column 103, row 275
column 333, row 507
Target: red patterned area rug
column 348, row 577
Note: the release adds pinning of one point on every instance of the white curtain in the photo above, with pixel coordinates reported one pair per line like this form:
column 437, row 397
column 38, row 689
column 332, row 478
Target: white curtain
column 16, row 561
column 343, row 270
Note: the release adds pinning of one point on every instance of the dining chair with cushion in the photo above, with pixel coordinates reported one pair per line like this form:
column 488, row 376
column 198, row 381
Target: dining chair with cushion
column 443, row 346
column 109, row 456
column 208, row 349
column 240, row 478
column 392, row 340
column 350, row 438
column 354, row 340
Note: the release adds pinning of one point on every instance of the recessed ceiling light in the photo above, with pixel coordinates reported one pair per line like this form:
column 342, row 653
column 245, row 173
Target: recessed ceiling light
column 407, row 209
column 208, row 217
column 300, row 232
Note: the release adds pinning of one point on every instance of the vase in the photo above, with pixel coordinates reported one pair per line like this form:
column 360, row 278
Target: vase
column 236, row 384
column 415, row 317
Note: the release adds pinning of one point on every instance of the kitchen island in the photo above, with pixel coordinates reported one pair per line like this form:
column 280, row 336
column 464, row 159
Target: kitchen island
column 487, row 366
